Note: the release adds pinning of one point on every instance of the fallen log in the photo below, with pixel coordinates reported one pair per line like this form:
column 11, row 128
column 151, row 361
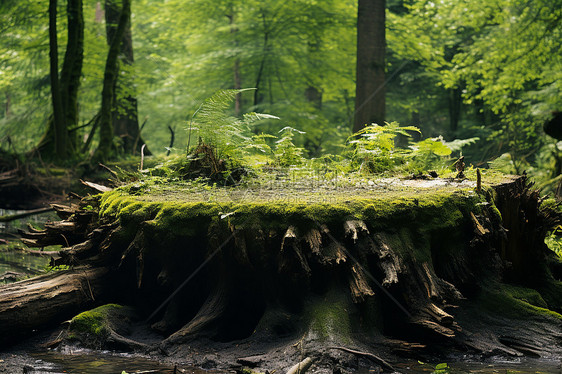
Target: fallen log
column 47, row 300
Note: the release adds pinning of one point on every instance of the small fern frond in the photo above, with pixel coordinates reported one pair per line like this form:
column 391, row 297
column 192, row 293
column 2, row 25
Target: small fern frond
column 216, row 105
column 457, row 144
column 226, row 134
column 252, row 117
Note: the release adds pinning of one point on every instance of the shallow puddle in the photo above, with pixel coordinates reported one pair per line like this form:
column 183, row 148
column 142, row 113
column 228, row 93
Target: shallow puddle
column 488, row 366
column 16, row 264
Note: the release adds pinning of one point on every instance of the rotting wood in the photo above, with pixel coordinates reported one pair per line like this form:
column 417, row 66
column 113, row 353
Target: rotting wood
column 358, row 285
column 388, row 261
column 435, row 327
column 314, row 239
column 353, row 228
column 419, row 284
column 290, row 241
column 429, row 283
column 478, row 228
column 76, row 253
column 333, row 253
column 47, row 300
column 65, row 211
column 439, row 315
column 301, row 367
column 96, row 186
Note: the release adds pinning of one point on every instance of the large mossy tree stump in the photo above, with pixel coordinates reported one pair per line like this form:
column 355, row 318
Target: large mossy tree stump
column 394, row 268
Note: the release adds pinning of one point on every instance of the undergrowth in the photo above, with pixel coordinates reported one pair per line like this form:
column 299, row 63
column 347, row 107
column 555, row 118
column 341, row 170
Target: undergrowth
column 225, row 150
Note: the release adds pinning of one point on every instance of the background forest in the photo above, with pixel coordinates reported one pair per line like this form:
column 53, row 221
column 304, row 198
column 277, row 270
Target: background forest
column 460, row 69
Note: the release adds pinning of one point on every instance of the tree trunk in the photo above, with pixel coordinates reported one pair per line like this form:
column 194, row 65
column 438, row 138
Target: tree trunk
column 314, row 96
column 58, row 122
column 312, row 93
column 236, row 67
column 455, row 101
column 258, row 96
column 106, row 147
column 125, row 112
column 370, row 82
column 72, row 68
column 61, row 137
column 8, row 107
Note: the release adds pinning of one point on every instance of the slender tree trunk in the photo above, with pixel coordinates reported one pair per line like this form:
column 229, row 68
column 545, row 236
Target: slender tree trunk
column 59, row 124
column 125, row 111
column 237, row 86
column 371, row 46
column 61, row 137
column 455, row 101
column 106, row 149
column 312, row 93
column 72, row 68
column 236, row 67
column 257, row 94
column 8, row 107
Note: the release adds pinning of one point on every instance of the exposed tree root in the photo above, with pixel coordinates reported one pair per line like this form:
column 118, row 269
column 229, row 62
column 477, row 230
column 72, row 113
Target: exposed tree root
column 376, row 359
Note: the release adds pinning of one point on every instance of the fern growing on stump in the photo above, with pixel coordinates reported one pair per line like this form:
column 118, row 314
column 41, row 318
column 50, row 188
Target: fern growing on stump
column 223, row 140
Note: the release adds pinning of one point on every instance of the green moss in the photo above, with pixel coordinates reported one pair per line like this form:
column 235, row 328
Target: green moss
column 429, row 209
column 93, row 323
column 329, row 317
column 515, row 302
column 551, row 291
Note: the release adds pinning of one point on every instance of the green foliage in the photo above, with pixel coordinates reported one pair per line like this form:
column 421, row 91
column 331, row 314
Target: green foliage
column 373, row 147
column 554, row 240
column 51, row 269
column 498, row 60
column 442, row 368
column 286, row 152
column 227, row 135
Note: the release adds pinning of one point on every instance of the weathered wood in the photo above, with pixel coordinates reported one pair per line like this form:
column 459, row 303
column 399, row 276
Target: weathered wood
column 359, row 285
column 65, row 211
column 290, row 241
column 353, row 229
column 314, row 239
column 301, row 367
column 439, row 314
column 49, row 299
column 78, row 252
column 96, row 186
column 435, row 327
column 389, row 261
column 478, row 228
